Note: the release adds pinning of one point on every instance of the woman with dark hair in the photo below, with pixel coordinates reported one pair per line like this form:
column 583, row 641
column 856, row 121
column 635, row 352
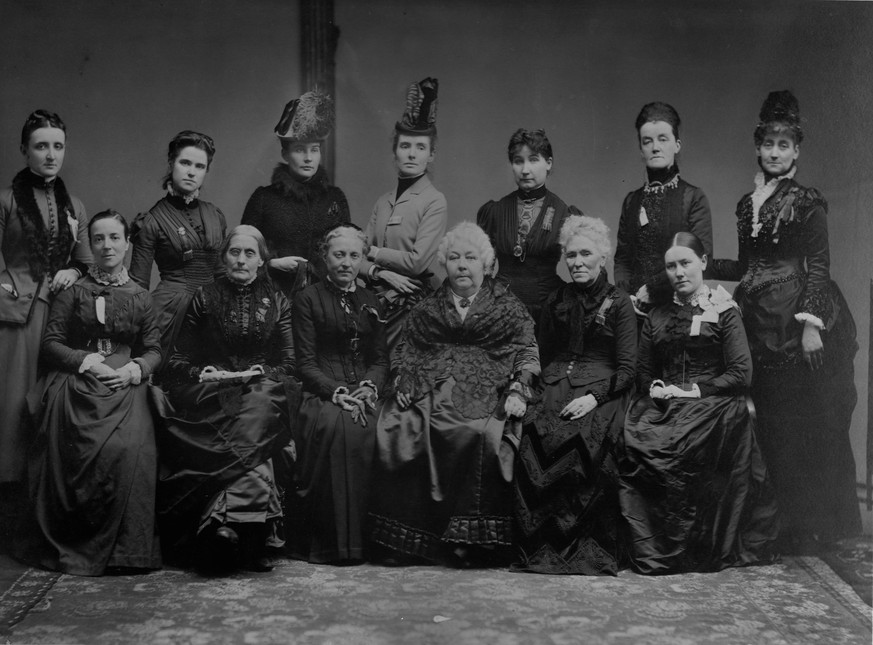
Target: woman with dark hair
column 665, row 205
column 694, row 488
column 408, row 222
column 566, row 481
column 524, row 225
column 43, row 250
column 802, row 338
column 181, row 234
column 93, row 463
column 446, row 441
column 300, row 203
column 224, row 414
column 342, row 359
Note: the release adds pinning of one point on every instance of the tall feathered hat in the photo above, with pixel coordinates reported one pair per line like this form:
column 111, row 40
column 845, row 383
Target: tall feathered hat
column 419, row 117
column 779, row 107
column 309, row 118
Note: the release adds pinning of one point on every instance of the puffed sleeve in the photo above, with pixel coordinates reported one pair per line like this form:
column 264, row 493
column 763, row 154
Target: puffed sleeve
column 431, row 229
column 143, row 238
column 737, row 358
column 699, row 217
column 55, row 351
column 283, row 346
column 80, row 256
column 147, row 349
column 816, row 301
column 187, row 360
column 623, row 320
column 645, row 357
column 306, row 347
column 623, row 265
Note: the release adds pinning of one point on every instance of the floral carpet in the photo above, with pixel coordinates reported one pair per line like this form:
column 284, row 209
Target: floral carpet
column 799, row 601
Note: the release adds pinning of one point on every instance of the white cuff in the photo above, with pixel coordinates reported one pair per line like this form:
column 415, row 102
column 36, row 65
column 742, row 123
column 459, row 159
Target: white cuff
column 340, row 390
column 370, row 384
column 90, row 361
column 135, row 372
column 809, row 318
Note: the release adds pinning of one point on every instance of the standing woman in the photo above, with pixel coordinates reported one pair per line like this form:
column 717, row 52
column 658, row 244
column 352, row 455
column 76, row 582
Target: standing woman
column 342, row 359
column 408, row 222
column 181, row 233
column 93, row 464
column 524, row 225
column 43, row 250
column 566, row 480
column 300, row 203
column 694, row 488
column 665, row 205
column 802, row 337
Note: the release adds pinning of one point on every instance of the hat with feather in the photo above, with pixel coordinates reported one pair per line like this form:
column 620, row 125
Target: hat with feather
column 419, row 117
column 309, row 118
column 780, row 111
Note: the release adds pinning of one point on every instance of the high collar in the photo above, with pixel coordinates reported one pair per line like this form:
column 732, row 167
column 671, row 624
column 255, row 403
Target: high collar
column 661, row 176
column 290, row 184
column 592, row 291
column 109, row 279
column 36, row 180
column 405, row 183
column 532, row 195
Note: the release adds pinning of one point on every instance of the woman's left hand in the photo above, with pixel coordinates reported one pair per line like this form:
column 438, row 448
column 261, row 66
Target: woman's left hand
column 64, row 279
column 813, row 348
column 118, row 379
column 578, row 408
column 515, row 405
column 366, row 394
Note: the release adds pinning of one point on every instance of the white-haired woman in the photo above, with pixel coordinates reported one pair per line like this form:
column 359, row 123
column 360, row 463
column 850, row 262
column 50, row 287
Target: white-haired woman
column 567, row 471
column 342, row 359
column 225, row 413
column 443, row 489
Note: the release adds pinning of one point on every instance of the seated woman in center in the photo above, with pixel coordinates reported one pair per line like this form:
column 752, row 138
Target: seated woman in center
column 694, row 488
column 567, row 474
column 225, row 414
column 445, row 444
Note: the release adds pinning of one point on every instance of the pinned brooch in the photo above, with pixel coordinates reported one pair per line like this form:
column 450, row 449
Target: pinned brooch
column 644, row 218
column 73, row 223
column 550, row 215
column 261, row 313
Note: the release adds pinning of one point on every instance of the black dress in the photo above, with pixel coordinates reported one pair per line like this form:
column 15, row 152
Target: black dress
column 217, row 438
column 566, row 479
column 694, row 488
column 340, row 342
column 804, row 416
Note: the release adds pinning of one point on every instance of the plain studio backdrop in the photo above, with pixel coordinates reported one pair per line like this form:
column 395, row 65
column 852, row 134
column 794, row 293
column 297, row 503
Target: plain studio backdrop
column 126, row 76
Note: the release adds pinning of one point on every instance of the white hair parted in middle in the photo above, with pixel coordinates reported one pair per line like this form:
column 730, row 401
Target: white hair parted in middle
column 473, row 234
column 594, row 228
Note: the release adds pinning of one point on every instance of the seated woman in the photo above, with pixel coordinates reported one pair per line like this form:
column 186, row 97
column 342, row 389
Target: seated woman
column 694, row 488
column 445, row 444
column 225, row 413
column 93, row 463
column 567, row 471
column 342, row 358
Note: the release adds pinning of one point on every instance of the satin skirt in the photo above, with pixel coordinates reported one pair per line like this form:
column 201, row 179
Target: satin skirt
column 694, row 492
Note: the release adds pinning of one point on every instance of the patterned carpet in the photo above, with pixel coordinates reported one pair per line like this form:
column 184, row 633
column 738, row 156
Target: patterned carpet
column 797, row 602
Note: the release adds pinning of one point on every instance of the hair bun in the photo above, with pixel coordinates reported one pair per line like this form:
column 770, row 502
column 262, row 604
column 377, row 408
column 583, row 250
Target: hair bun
column 782, row 106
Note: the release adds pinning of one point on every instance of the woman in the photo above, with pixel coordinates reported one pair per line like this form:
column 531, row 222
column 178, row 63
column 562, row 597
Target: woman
column 300, row 203
column 524, row 225
column 665, row 205
column 342, row 360
column 42, row 252
column 445, row 443
column 181, row 234
column 225, row 413
column 408, row 222
column 802, row 338
column 567, row 471
column 694, row 489
column 93, row 464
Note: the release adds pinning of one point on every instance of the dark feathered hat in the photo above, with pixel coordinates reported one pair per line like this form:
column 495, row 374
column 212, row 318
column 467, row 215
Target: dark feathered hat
column 779, row 107
column 419, row 117
column 309, row 118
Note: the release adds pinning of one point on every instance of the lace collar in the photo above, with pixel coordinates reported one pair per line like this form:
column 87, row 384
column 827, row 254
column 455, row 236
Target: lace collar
column 190, row 197
column 707, row 299
column 763, row 190
column 109, row 279
column 659, row 181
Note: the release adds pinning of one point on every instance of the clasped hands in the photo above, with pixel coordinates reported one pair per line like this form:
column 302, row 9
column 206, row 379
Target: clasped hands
column 659, row 390
column 116, row 379
column 211, row 373
column 357, row 403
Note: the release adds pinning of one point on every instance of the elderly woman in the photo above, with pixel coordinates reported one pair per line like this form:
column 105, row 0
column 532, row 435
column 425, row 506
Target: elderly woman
column 342, row 359
column 181, row 234
column 694, row 488
column 524, row 225
column 567, row 470
column 802, row 338
column 445, row 443
column 300, row 203
column 225, row 413
column 665, row 205
column 408, row 223
column 93, row 464
column 43, row 250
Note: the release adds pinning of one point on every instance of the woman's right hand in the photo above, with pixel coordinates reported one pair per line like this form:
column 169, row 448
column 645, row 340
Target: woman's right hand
column 288, row 263
column 404, row 400
column 399, row 282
